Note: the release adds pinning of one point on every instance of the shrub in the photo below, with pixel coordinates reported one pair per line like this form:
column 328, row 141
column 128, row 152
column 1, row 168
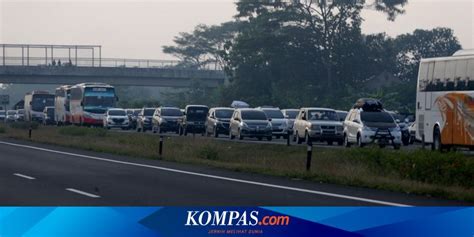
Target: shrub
column 83, row 131
column 25, row 125
column 208, row 152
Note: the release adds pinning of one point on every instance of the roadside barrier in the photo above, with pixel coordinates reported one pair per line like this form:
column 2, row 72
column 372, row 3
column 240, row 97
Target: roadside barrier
column 160, row 149
column 309, row 154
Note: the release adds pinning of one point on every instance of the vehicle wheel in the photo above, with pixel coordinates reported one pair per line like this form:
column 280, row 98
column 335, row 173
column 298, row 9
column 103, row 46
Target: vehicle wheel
column 396, row 146
column 180, row 131
column 231, row 136
column 294, row 138
column 330, row 143
column 436, row 145
column 346, row 141
column 153, row 129
column 216, row 134
column 269, row 138
column 240, row 136
column 138, row 129
column 298, row 139
column 359, row 141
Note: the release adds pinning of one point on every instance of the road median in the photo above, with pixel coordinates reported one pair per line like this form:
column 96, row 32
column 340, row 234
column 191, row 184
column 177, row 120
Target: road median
column 448, row 175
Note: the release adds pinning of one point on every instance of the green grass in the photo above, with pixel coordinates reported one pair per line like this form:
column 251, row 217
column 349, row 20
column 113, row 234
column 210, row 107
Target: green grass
column 449, row 175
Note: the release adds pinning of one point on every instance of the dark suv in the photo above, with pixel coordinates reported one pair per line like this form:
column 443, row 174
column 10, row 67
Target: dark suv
column 193, row 120
column 218, row 121
column 144, row 119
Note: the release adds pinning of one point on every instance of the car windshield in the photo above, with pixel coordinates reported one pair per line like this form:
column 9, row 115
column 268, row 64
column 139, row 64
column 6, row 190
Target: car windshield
column 21, row 111
column 376, row 117
column 149, row 112
column 253, row 115
column 274, row 113
column 11, row 112
column 171, row 112
column 117, row 112
column 224, row 113
column 291, row 113
column 197, row 113
column 326, row 115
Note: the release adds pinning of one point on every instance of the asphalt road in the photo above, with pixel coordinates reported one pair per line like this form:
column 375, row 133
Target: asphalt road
column 33, row 174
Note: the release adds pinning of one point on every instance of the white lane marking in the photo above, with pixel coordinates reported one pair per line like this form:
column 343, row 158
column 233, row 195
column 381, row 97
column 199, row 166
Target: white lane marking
column 367, row 200
column 24, row 176
column 82, row 193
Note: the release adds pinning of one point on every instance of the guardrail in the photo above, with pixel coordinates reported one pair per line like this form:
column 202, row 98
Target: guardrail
column 101, row 62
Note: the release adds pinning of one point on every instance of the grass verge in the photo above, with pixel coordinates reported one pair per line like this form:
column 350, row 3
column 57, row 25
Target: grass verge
column 449, row 175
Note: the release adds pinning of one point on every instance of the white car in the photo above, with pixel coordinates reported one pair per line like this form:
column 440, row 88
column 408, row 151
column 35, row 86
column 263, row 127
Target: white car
column 318, row 124
column 368, row 123
column 116, row 118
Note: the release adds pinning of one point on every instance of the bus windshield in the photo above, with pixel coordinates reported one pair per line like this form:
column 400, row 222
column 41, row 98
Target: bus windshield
column 98, row 99
column 40, row 101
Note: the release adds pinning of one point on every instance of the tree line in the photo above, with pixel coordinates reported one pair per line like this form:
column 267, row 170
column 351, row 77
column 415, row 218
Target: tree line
column 309, row 53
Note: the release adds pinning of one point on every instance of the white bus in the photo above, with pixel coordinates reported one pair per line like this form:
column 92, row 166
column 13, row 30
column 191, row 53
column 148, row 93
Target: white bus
column 90, row 101
column 62, row 112
column 35, row 102
column 445, row 101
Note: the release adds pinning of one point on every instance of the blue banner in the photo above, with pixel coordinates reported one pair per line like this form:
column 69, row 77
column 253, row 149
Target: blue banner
column 236, row 221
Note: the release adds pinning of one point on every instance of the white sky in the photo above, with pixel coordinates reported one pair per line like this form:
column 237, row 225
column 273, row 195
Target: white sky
column 139, row 29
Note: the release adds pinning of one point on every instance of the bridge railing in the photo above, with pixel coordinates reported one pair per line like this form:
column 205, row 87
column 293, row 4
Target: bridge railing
column 102, row 62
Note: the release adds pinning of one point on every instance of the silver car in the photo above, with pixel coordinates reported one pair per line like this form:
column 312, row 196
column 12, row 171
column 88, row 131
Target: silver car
column 278, row 120
column 318, row 124
column 290, row 115
column 250, row 123
column 371, row 124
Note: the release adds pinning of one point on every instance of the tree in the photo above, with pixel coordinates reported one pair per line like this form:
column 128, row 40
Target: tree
column 411, row 48
column 204, row 46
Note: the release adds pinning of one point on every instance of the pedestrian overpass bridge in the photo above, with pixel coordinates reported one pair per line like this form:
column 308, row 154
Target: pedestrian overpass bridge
column 66, row 64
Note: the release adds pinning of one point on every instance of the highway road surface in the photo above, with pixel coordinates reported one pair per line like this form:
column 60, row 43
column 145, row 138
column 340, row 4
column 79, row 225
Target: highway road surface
column 35, row 174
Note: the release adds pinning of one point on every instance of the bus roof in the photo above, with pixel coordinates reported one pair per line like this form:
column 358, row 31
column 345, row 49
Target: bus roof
column 426, row 60
column 38, row 93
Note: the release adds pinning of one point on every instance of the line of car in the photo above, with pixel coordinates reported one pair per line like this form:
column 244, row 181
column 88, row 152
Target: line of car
column 367, row 122
column 9, row 116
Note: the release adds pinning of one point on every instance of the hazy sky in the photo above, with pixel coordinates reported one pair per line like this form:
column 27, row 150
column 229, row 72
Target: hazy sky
column 138, row 29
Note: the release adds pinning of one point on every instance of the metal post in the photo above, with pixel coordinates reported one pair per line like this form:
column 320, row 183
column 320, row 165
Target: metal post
column 46, row 55
column 309, row 155
column 288, row 138
column 3, row 55
column 29, row 131
column 75, row 55
column 28, row 55
column 52, row 53
column 22, row 56
column 160, row 150
column 423, row 144
column 100, row 56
